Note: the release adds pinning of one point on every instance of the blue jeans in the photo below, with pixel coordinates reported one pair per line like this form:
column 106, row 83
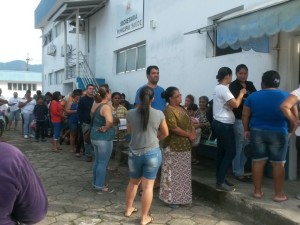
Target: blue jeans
column 145, row 165
column 28, row 117
column 88, row 148
column 226, row 148
column 103, row 150
column 56, row 130
column 239, row 160
column 269, row 145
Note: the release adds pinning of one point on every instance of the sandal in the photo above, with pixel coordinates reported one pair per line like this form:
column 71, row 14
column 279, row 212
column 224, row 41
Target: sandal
column 282, row 199
column 105, row 190
column 258, row 195
column 151, row 220
column 134, row 210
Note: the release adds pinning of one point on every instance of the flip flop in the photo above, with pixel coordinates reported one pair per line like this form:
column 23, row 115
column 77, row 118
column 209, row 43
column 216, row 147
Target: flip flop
column 257, row 195
column 285, row 198
column 133, row 211
column 151, row 220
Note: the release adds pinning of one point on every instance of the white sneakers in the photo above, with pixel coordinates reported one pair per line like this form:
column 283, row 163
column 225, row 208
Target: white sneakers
column 26, row 136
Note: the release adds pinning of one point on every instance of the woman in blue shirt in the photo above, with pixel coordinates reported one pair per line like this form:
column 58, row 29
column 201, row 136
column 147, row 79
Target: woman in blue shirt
column 263, row 118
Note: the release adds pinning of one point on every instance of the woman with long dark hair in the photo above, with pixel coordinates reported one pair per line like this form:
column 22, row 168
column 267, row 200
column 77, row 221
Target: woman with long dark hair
column 102, row 135
column 147, row 127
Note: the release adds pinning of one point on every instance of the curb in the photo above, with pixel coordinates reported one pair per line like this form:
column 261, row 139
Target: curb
column 240, row 205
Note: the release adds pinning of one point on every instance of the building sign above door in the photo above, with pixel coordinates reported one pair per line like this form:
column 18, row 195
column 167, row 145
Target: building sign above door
column 130, row 16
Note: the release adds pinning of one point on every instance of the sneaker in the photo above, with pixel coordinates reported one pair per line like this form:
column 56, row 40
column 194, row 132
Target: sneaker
column 298, row 196
column 25, row 136
column 105, row 190
column 31, row 135
column 77, row 155
column 229, row 184
column 224, row 187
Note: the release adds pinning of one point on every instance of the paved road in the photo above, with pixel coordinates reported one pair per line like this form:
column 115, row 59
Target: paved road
column 72, row 200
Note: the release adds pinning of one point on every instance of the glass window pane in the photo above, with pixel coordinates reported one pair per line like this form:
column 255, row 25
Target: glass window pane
column 131, row 59
column 19, row 87
column 141, row 60
column 121, row 62
column 9, row 86
column 24, row 87
column 34, row 87
column 15, row 86
column 29, row 87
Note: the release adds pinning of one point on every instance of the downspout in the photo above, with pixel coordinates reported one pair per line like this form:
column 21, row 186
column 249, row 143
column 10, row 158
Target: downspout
column 278, row 51
column 65, row 49
column 77, row 43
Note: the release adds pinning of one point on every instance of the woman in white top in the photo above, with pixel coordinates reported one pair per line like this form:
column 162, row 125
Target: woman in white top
column 223, row 103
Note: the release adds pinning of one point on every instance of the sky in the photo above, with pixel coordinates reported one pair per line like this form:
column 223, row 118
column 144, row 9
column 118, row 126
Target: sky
column 18, row 36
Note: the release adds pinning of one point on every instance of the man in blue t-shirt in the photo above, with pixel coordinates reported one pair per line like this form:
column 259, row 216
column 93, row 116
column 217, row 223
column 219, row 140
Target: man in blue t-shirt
column 153, row 77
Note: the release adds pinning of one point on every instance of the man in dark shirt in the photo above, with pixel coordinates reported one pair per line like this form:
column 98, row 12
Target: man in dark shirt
column 84, row 110
column 22, row 196
column 239, row 160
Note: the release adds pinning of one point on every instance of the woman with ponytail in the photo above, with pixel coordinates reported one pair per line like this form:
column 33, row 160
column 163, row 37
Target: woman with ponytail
column 102, row 135
column 147, row 127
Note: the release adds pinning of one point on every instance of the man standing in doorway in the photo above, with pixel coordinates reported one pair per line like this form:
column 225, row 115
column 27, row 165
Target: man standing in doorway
column 158, row 103
column 84, row 110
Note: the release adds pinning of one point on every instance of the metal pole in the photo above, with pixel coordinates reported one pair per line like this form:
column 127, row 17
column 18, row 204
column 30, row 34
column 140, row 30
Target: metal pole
column 77, row 43
column 65, row 49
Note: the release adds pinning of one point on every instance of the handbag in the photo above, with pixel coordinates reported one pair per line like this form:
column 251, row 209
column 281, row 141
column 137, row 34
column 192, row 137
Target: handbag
column 87, row 133
column 198, row 137
column 33, row 124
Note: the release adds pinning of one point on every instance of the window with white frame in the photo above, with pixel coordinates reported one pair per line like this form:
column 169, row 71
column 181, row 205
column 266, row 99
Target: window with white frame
column 21, row 86
column 58, row 75
column 212, row 47
column 58, row 29
column 132, row 58
column 50, row 79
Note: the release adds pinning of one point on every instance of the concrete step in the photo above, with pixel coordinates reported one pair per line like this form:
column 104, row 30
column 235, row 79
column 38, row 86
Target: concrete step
column 254, row 211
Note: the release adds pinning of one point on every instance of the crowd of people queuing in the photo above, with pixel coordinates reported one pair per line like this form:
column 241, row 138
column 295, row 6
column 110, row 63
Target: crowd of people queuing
column 165, row 134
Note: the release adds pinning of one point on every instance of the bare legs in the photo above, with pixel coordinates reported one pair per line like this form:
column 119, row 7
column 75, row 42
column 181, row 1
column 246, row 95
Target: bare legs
column 278, row 178
column 72, row 141
column 146, row 199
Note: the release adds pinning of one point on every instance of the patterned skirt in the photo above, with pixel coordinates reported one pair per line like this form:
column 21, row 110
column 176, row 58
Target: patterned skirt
column 176, row 183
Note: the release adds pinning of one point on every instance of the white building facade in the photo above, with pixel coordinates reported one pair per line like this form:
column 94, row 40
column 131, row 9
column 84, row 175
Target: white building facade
column 118, row 39
column 120, row 54
column 19, row 81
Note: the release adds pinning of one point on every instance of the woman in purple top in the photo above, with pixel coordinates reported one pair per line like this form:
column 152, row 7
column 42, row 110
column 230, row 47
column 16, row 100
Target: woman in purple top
column 22, row 196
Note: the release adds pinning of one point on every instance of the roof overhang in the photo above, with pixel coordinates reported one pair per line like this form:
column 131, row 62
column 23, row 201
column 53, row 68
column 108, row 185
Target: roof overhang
column 62, row 10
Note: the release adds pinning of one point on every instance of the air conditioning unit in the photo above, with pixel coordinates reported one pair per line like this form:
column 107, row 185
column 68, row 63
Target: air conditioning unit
column 69, row 50
column 51, row 50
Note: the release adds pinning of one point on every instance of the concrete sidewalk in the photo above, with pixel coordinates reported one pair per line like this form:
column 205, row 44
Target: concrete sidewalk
column 261, row 211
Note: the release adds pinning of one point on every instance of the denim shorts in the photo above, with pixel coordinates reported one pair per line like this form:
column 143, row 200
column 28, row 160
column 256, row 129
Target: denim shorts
column 145, row 165
column 269, row 145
